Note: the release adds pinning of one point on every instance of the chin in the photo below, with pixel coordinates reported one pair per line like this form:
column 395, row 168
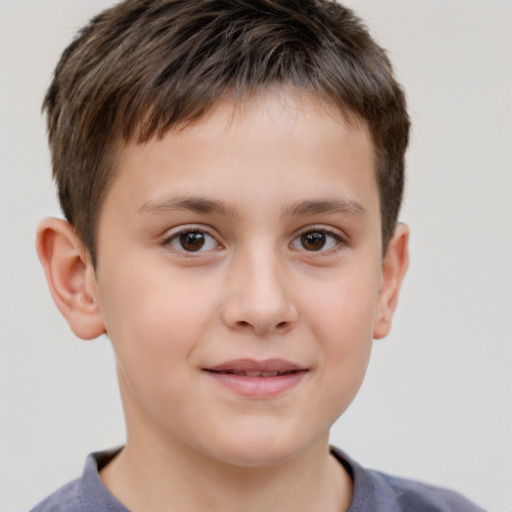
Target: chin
column 262, row 448
column 257, row 458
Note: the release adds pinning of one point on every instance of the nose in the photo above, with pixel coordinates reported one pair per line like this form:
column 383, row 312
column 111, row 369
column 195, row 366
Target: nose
column 259, row 295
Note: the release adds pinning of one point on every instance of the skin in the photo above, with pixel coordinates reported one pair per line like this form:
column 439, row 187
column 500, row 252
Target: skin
column 254, row 181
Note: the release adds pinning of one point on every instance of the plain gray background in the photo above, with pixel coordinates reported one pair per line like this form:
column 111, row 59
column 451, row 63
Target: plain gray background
column 437, row 402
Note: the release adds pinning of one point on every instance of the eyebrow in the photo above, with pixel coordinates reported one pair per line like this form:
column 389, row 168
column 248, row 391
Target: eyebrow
column 204, row 205
column 331, row 205
column 197, row 204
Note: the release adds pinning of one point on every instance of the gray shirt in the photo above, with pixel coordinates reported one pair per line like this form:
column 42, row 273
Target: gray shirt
column 373, row 492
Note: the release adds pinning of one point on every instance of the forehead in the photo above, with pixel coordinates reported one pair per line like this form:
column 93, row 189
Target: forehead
column 292, row 139
column 279, row 107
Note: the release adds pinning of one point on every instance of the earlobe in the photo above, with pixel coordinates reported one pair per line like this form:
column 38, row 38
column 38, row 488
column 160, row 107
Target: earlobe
column 70, row 276
column 394, row 268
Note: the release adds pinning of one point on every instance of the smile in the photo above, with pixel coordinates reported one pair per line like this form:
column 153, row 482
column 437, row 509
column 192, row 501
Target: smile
column 255, row 373
column 258, row 379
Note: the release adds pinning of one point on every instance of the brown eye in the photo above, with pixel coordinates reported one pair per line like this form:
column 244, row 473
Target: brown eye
column 313, row 241
column 193, row 240
column 317, row 240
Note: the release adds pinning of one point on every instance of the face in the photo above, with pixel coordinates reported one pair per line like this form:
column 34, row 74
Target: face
column 239, row 275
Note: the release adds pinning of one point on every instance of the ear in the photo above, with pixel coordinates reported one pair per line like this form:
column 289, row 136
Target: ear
column 70, row 276
column 394, row 268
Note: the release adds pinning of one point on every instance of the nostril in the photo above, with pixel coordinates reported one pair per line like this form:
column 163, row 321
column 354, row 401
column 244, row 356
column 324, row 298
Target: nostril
column 280, row 326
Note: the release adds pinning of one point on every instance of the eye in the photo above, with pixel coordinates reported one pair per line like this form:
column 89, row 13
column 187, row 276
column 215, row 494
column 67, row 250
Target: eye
column 192, row 240
column 317, row 240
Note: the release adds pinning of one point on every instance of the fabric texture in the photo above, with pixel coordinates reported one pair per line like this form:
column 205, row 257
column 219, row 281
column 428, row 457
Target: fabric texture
column 373, row 492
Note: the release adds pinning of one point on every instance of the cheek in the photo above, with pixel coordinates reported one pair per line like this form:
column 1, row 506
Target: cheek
column 345, row 311
column 155, row 321
column 343, row 315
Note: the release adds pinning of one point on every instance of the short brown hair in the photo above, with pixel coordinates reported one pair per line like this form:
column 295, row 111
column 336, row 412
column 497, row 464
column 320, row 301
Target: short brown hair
column 144, row 66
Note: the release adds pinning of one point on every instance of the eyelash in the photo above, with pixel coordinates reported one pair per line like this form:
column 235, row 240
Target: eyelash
column 338, row 240
column 168, row 241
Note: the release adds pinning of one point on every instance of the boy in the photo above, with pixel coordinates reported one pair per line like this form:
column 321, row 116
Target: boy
column 231, row 174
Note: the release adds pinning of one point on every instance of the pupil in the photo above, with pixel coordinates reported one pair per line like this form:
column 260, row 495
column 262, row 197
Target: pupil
column 192, row 241
column 313, row 241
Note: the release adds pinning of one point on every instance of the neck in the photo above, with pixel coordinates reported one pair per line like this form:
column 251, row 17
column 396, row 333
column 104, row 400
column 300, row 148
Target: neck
column 148, row 478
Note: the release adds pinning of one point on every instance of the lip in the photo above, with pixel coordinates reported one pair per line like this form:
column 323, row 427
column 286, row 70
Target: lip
column 257, row 379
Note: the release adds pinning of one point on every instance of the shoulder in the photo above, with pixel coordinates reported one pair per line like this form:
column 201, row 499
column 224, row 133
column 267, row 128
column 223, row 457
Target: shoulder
column 64, row 499
column 407, row 495
column 375, row 491
column 85, row 494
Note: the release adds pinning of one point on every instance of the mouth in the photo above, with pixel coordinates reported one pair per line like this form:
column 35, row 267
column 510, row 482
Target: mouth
column 258, row 379
column 253, row 368
column 255, row 373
